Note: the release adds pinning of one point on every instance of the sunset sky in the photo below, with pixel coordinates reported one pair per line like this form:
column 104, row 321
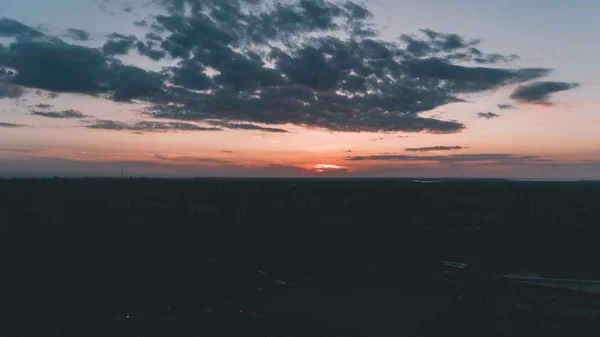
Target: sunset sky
column 308, row 88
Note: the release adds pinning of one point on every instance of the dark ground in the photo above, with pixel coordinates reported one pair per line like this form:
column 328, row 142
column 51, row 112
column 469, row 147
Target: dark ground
column 102, row 257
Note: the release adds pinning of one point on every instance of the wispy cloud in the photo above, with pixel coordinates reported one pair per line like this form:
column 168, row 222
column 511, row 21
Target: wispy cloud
column 149, row 126
column 456, row 158
column 10, row 125
column 77, row 34
column 434, row 148
column 67, row 114
column 505, row 106
column 487, row 115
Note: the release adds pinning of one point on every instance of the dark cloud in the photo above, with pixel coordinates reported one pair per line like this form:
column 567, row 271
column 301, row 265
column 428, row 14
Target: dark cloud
column 539, row 92
column 77, row 34
column 434, row 148
column 334, row 83
column 119, row 44
column 140, row 23
column 487, row 115
column 10, row 125
column 149, row 126
column 316, row 64
column 67, row 114
column 450, row 46
column 12, row 28
column 61, row 67
column 245, row 126
column 228, row 151
column 505, row 106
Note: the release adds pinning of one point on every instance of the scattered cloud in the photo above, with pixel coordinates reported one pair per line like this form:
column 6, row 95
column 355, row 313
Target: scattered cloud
column 77, row 34
column 10, row 125
column 149, row 126
column 505, row 106
column 434, row 148
column 67, row 114
column 13, row 28
column 487, row 115
column 376, row 139
column 245, row 126
column 539, row 92
column 491, row 159
column 316, row 64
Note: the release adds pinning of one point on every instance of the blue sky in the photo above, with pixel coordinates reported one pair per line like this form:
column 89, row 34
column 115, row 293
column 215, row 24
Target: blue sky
column 561, row 132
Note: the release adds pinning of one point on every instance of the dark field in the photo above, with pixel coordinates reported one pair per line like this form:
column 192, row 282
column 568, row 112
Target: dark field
column 122, row 257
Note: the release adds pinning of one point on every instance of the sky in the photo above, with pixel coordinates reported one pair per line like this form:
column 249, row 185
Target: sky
column 300, row 88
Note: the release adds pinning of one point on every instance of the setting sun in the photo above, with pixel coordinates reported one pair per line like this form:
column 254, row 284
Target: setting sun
column 327, row 167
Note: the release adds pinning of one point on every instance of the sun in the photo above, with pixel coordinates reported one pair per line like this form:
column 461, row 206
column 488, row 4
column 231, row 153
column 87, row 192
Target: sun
column 326, row 167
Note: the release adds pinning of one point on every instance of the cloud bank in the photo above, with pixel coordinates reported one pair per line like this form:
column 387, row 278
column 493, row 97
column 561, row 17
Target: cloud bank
column 316, row 64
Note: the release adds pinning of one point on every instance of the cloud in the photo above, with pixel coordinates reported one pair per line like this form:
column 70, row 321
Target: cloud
column 245, row 126
column 228, row 151
column 10, row 125
column 119, row 44
column 539, row 92
column 67, row 114
column 12, row 28
column 497, row 158
column 434, row 148
column 77, row 34
column 354, row 84
column 149, row 126
column 140, row 23
column 62, row 67
column 43, row 106
column 505, row 106
column 487, row 115
column 316, row 64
